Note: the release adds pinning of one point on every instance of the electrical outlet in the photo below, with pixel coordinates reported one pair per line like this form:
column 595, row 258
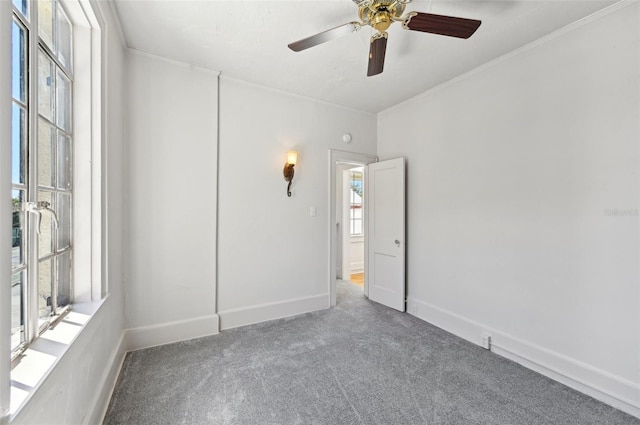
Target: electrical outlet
column 485, row 340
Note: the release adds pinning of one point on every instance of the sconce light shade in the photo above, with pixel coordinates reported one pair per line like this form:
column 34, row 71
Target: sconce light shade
column 292, row 158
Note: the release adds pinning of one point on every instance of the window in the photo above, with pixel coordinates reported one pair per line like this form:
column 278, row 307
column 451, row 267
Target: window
column 42, row 279
column 355, row 200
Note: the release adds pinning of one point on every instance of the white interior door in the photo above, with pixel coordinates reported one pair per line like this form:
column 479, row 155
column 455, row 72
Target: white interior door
column 386, row 232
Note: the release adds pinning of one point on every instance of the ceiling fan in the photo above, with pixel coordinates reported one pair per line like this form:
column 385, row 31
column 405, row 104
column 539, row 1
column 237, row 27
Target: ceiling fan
column 380, row 14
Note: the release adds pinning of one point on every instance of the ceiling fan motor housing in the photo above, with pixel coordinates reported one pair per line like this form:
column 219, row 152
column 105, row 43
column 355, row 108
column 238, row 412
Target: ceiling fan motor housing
column 380, row 14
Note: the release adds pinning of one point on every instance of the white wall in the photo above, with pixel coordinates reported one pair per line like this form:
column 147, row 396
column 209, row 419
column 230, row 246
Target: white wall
column 511, row 172
column 78, row 389
column 272, row 254
column 357, row 254
column 171, row 215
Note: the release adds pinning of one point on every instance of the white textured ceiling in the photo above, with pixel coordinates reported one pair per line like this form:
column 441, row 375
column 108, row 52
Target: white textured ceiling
column 248, row 40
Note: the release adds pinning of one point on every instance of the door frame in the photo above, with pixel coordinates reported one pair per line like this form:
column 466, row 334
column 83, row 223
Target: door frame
column 336, row 156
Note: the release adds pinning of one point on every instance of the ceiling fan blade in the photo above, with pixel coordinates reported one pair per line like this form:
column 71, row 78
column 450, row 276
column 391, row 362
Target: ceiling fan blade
column 440, row 24
column 376, row 54
column 324, row 36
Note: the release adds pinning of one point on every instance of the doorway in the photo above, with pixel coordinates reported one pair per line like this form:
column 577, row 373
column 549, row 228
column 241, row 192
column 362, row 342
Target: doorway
column 350, row 210
column 341, row 220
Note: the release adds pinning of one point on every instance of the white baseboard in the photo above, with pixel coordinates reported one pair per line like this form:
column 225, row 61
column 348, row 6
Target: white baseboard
column 261, row 313
column 357, row 267
column 109, row 379
column 167, row 333
column 599, row 384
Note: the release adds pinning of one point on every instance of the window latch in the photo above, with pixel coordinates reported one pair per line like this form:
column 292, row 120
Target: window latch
column 37, row 208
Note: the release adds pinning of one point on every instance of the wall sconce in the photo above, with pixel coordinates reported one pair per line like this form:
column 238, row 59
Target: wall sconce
column 292, row 158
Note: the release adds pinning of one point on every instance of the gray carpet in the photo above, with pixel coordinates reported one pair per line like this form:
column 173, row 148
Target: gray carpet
column 358, row 363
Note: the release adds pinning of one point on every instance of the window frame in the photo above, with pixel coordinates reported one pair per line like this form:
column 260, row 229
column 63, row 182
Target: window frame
column 353, row 204
column 22, row 187
column 87, row 284
column 20, row 380
column 33, row 322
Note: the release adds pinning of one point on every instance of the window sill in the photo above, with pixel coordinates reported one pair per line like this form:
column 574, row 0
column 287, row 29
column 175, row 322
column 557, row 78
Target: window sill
column 35, row 364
